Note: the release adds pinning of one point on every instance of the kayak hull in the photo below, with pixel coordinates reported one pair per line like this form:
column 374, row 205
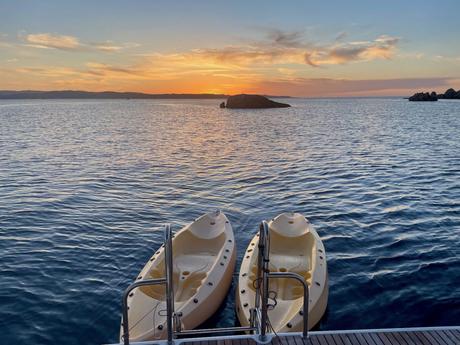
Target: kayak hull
column 204, row 256
column 294, row 247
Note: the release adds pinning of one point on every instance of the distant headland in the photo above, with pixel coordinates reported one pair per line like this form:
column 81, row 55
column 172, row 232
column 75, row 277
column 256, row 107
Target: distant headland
column 433, row 97
column 71, row 94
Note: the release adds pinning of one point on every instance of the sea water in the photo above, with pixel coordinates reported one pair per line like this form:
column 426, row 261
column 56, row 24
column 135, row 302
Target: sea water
column 85, row 186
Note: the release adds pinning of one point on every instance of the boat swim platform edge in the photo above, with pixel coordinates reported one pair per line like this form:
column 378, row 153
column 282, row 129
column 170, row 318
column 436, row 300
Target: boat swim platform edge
column 448, row 335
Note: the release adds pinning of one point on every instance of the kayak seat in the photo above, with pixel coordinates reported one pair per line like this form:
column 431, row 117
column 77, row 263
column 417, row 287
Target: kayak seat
column 287, row 254
column 193, row 258
column 290, row 254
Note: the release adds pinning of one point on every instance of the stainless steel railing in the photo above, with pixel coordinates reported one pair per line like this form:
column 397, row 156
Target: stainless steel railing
column 263, row 262
column 263, row 268
column 125, row 322
column 168, row 281
column 299, row 278
column 259, row 314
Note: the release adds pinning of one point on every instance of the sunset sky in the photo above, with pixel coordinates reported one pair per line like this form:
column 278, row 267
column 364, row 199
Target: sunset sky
column 297, row 48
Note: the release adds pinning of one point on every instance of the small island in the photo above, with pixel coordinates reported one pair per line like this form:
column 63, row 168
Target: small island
column 424, row 97
column 244, row 101
column 433, row 97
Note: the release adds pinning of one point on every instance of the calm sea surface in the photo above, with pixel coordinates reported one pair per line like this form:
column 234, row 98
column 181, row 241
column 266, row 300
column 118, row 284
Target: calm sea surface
column 86, row 185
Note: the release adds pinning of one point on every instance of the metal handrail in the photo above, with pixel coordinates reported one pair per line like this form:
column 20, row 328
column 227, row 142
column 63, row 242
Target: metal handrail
column 168, row 281
column 299, row 278
column 133, row 286
column 263, row 267
column 215, row 330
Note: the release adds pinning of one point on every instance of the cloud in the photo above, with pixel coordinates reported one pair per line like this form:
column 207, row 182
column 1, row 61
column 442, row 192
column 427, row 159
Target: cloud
column 286, row 38
column 96, row 76
column 107, row 46
column 290, row 48
column 447, row 58
column 3, row 41
column 341, row 36
column 234, row 55
column 330, row 87
column 71, row 43
column 271, row 65
column 49, row 72
column 90, row 70
column 382, row 47
column 5, row 45
column 110, row 46
column 265, row 64
column 278, row 47
column 47, row 40
column 106, row 69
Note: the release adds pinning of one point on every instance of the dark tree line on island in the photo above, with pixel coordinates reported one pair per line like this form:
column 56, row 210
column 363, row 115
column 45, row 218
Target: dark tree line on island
column 432, row 97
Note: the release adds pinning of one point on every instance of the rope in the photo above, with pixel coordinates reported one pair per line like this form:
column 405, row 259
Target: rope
column 256, row 284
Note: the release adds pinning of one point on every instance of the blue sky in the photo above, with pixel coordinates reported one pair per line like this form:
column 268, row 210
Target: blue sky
column 117, row 44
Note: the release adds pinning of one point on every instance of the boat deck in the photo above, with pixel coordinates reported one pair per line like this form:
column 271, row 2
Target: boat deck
column 397, row 336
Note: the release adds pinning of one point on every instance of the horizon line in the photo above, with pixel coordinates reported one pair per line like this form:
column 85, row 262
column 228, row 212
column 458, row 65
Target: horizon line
column 205, row 94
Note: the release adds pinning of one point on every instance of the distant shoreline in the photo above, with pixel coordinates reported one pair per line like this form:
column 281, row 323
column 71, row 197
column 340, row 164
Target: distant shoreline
column 71, row 94
column 75, row 94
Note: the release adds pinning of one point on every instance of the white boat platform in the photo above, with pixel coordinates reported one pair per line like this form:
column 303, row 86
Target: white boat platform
column 390, row 336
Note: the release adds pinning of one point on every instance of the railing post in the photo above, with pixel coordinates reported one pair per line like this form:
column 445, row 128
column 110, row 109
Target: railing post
column 169, row 283
column 264, row 252
column 260, row 262
column 125, row 315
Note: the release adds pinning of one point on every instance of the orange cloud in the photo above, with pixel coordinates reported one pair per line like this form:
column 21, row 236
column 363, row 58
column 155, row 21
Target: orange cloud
column 287, row 48
column 47, row 40
column 71, row 43
column 110, row 46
